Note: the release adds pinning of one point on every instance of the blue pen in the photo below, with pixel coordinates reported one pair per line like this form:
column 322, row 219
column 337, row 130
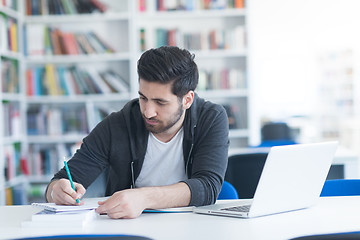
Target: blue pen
column 69, row 175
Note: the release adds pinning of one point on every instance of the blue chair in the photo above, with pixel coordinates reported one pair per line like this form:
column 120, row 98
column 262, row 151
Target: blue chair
column 250, row 165
column 228, row 192
column 341, row 187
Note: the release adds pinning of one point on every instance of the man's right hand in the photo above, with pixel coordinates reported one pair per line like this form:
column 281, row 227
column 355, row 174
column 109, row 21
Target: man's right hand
column 60, row 192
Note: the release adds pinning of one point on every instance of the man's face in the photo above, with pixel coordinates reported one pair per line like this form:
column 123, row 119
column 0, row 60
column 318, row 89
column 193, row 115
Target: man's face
column 160, row 108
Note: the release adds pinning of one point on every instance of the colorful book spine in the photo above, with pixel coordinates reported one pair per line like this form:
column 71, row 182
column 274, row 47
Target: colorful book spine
column 72, row 80
column 10, row 76
column 63, row 7
column 190, row 5
column 8, row 34
column 52, row 81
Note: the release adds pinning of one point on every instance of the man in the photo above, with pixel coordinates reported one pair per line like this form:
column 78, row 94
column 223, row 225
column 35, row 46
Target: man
column 168, row 148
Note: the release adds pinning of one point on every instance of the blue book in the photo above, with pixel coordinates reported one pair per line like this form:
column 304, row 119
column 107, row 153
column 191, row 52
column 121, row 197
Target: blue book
column 61, row 74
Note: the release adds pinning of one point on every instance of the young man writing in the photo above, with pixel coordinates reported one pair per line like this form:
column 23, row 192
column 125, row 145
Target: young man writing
column 168, row 148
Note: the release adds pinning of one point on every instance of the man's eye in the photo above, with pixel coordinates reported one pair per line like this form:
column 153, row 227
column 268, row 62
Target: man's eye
column 161, row 103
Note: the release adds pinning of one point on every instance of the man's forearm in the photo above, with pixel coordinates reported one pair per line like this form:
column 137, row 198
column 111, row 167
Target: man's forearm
column 176, row 195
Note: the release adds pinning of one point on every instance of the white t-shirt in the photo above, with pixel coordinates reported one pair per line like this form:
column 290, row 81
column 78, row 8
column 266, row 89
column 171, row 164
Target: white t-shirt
column 163, row 163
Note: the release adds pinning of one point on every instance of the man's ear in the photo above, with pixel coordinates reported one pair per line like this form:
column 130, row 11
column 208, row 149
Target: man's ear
column 188, row 99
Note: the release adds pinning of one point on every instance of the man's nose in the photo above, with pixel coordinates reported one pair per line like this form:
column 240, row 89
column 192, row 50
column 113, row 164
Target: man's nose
column 150, row 110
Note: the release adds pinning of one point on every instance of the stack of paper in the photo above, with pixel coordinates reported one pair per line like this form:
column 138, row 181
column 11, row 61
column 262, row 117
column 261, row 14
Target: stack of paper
column 52, row 215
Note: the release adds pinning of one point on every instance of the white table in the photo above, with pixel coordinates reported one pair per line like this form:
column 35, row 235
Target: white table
column 332, row 214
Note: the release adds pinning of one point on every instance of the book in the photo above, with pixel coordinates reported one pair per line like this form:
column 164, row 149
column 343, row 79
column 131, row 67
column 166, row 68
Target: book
column 70, row 44
column 55, row 40
column 169, row 210
column 69, row 219
column 105, row 45
column 13, row 29
column 94, row 75
column 52, row 79
column 89, row 204
column 35, row 39
column 45, row 215
column 84, row 44
column 115, row 81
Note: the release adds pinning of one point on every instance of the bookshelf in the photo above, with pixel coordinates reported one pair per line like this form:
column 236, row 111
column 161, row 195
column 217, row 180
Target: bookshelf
column 77, row 70
column 12, row 106
column 63, row 94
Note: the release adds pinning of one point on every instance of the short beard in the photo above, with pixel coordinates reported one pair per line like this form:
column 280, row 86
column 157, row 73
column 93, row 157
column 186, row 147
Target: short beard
column 178, row 115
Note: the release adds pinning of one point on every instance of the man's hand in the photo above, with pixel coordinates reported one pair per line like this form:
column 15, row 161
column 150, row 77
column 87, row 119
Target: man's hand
column 61, row 192
column 123, row 204
column 130, row 203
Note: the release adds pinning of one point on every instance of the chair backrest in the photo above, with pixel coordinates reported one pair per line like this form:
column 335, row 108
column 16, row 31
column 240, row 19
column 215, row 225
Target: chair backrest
column 228, row 191
column 275, row 131
column 341, row 187
column 244, row 171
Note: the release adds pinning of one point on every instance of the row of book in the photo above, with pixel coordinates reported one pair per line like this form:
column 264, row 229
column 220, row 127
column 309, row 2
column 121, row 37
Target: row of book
column 9, row 76
column 44, row 40
column 8, row 34
column 190, row 5
column 57, row 120
column 233, row 39
column 61, row 7
column 11, row 119
column 45, row 160
column 14, row 161
column 16, row 195
column 9, row 4
column 221, row 79
column 72, row 80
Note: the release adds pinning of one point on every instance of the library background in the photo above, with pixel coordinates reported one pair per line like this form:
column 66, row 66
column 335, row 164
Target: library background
column 66, row 64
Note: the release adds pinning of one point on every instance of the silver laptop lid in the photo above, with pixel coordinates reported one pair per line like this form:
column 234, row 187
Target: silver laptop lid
column 292, row 177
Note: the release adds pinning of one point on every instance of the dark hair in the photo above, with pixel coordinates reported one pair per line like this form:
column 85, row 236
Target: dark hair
column 168, row 64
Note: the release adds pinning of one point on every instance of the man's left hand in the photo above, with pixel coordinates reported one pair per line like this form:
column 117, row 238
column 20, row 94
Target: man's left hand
column 123, row 204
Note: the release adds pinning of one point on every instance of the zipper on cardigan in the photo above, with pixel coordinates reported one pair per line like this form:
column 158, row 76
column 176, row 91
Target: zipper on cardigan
column 189, row 157
column 132, row 175
column 188, row 160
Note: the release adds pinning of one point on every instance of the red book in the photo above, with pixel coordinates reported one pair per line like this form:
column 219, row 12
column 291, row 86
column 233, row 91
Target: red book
column 142, row 5
column 29, row 83
column 160, row 5
column 28, row 7
column 56, row 41
column 213, row 44
column 172, row 37
column 24, row 166
column 239, row 3
column 70, row 44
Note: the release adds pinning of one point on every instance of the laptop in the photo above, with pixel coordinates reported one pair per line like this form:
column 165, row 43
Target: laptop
column 292, row 179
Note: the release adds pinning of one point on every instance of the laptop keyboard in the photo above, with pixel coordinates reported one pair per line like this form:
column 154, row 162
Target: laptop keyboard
column 243, row 208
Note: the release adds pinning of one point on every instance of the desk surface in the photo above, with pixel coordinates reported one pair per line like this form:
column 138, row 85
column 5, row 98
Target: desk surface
column 331, row 214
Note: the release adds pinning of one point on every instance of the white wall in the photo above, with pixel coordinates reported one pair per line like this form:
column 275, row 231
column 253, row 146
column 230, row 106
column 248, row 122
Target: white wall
column 285, row 39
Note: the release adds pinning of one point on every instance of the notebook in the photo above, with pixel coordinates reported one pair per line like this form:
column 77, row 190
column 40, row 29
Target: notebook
column 292, row 179
column 89, row 203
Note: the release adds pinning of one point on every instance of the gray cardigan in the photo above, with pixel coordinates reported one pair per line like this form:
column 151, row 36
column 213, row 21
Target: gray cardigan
column 119, row 143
